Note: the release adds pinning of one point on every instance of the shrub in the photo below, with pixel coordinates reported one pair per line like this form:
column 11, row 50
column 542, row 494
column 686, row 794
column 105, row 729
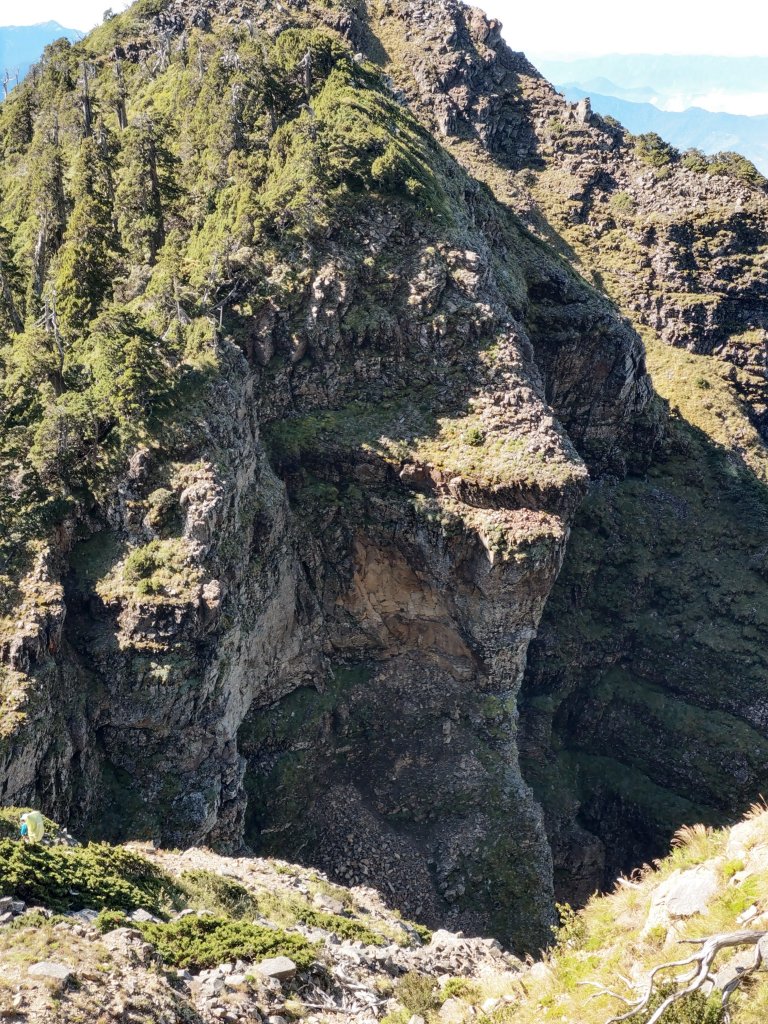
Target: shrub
column 556, row 127
column 734, row 165
column 344, row 927
column 225, row 896
column 200, row 942
column 461, row 988
column 474, row 436
column 695, row 160
column 418, row 993
column 108, row 920
column 158, row 566
column 622, row 202
column 653, row 150
column 69, row 878
column 422, row 931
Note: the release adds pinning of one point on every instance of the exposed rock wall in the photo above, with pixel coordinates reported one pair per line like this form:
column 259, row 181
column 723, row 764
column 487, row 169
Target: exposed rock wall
column 300, row 620
column 640, row 694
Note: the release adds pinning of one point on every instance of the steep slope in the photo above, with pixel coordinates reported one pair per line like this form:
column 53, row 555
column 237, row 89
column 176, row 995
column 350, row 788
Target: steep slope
column 302, row 393
column 296, row 419
column 640, row 707
column 192, row 936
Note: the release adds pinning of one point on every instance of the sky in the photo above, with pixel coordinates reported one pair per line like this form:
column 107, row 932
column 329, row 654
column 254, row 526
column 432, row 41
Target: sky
column 82, row 14
column 555, row 28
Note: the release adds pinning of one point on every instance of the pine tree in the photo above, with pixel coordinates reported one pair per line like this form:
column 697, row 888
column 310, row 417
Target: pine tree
column 10, row 280
column 48, row 211
column 145, row 189
column 87, row 259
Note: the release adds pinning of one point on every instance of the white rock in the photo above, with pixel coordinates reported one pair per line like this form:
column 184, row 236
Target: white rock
column 51, row 969
column 280, row 967
column 142, row 915
column 682, row 895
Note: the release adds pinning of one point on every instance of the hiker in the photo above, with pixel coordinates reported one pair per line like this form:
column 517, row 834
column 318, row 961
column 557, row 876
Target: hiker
column 32, row 827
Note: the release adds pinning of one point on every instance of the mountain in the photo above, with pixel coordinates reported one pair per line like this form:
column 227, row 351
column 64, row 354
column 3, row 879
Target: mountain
column 648, row 93
column 666, row 75
column 180, row 936
column 21, row 46
column 383, row 450
column 689, row 129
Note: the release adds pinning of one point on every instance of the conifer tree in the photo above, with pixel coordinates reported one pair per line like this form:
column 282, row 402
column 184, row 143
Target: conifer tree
column 146, row 187
column 49, row 211
column 10, row 317
column 86, row 261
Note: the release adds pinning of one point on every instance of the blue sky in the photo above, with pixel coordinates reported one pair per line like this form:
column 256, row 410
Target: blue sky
column 558, row 27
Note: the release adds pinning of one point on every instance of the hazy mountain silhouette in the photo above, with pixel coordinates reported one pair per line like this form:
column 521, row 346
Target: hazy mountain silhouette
column 21, row 45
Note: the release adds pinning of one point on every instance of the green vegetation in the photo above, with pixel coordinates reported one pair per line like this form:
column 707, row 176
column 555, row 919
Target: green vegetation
column 418, row 993
column 136, row 231
column 695, row 160
column 160, row 569
column 217, row 894
column 608, row 942
column 622, row 203
column 198, row 942
column 728, row 164
column 653, row 150
column 461, row 988
column 734, row 165
column 97, row 875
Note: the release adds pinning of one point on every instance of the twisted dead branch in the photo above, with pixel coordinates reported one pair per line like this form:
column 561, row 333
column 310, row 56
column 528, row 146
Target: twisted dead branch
column 698, row 978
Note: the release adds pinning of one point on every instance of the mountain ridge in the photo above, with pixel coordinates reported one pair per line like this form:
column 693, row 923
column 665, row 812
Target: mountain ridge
column 22, row 45
column 318, row 369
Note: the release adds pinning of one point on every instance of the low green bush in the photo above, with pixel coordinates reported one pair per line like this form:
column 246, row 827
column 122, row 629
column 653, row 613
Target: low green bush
column 418, row 993
column 200, row 942
column 653, row 150
column 734, row 165
column 69, row 878
column 205, row 890
column 695, row 160
column 344, row 927
column 461, row 988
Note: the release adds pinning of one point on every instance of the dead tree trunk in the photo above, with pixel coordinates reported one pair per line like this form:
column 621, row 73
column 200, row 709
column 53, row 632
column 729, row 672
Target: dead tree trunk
column 697, row 978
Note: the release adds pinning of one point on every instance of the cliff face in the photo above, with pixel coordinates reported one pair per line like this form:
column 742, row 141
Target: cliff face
column 274, row 580
column 297, row 612
column 642, row 696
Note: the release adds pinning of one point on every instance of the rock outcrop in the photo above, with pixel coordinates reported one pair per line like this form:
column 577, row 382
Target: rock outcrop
column 295, row 613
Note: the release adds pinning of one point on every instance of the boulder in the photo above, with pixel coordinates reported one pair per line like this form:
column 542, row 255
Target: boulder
column 51, row 969
column 682, row 895
column 143, row 916
column 282, row 968
column 236, row 981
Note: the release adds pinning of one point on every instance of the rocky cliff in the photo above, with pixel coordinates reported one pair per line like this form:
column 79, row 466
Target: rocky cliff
column 306, row 376
column 110, row 933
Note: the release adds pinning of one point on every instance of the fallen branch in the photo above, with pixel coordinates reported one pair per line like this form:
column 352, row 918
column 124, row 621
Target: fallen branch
column 697, row 978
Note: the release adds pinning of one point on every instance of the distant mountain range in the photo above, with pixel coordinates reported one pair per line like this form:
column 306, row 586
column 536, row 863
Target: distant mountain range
column 663, row 75
column 21, row 45
column 668, row 95
column 687, row 129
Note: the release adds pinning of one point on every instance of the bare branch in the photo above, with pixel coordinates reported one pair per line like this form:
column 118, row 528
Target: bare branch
column 693, row 981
